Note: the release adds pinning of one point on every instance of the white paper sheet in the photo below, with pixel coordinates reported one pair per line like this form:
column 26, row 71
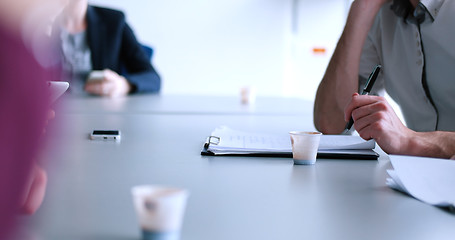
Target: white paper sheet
column 232, row 141
column 430, row 180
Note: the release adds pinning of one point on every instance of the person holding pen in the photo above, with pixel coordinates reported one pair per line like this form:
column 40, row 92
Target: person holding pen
column 413, row 42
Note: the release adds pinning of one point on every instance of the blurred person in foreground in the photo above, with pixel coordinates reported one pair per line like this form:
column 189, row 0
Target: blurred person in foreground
column 95, row 38
column 24, row 104
column 413, row 41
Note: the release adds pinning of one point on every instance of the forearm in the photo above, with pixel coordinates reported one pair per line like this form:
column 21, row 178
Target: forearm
column 437, row 144
column 341, row 78
column 148, row 81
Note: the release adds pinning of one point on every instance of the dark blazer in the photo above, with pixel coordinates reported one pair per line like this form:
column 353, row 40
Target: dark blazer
column 113, row 45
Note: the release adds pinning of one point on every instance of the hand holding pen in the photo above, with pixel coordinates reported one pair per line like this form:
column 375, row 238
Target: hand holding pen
column 366, row 90
column 374, row 118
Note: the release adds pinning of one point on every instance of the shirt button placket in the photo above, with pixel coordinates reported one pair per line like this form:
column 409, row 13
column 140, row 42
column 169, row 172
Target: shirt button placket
column 419, row 49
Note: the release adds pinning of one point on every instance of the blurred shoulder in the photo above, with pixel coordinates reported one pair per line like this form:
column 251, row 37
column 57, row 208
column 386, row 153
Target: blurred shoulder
column 107, row 13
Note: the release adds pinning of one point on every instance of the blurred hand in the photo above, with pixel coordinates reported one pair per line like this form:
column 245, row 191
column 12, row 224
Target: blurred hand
column 375, row 119
column 36, row 186
column 112, row 85
column 50, row 116
column 34, row 191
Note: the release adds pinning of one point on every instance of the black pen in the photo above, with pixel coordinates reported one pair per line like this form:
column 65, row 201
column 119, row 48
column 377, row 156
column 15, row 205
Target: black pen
column 366, row 90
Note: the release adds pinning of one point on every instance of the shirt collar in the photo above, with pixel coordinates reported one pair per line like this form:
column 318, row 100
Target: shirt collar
column 426, row 10
column 432, row 7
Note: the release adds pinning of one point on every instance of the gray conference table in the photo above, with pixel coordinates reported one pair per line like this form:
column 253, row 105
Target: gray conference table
column 231, row 197
column 177, row 104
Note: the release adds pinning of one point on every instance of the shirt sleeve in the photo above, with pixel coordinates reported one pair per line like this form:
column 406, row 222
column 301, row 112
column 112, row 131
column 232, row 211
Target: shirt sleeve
column 140, row 71
column 369, row 59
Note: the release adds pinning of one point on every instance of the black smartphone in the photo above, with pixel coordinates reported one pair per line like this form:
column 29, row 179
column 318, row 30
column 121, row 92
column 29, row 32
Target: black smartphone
column 105, row 135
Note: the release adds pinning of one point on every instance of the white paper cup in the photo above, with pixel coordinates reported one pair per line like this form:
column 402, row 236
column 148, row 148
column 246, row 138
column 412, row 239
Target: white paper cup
column 247, row 95
column 160, row 211
column 305, row 147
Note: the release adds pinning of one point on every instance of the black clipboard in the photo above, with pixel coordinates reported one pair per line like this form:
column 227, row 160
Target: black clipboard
column 368, row 154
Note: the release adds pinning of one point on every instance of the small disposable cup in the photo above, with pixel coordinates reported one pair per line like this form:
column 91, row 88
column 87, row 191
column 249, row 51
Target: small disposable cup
column 160, row 211
column 247, row 95
column 305, row 147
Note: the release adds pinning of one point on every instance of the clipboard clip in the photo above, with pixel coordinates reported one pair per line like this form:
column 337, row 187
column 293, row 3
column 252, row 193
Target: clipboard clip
column 212, row 140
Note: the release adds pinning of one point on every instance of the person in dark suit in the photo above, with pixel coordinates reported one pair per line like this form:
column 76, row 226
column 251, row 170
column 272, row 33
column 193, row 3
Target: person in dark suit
column 95, row 38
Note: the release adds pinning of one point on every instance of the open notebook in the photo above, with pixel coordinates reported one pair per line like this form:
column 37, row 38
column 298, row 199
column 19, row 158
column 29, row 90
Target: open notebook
column 225, row 141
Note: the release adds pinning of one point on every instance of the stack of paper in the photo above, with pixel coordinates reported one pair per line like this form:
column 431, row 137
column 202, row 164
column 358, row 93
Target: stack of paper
column 225, row 141
column 430, row 180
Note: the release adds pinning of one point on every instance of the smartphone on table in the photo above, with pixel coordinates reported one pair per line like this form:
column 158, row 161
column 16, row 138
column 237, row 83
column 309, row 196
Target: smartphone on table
column 105, row 135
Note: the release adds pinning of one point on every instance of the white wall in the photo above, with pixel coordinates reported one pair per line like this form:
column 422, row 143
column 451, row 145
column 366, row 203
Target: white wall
column 214, row 47
column 318, row 25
